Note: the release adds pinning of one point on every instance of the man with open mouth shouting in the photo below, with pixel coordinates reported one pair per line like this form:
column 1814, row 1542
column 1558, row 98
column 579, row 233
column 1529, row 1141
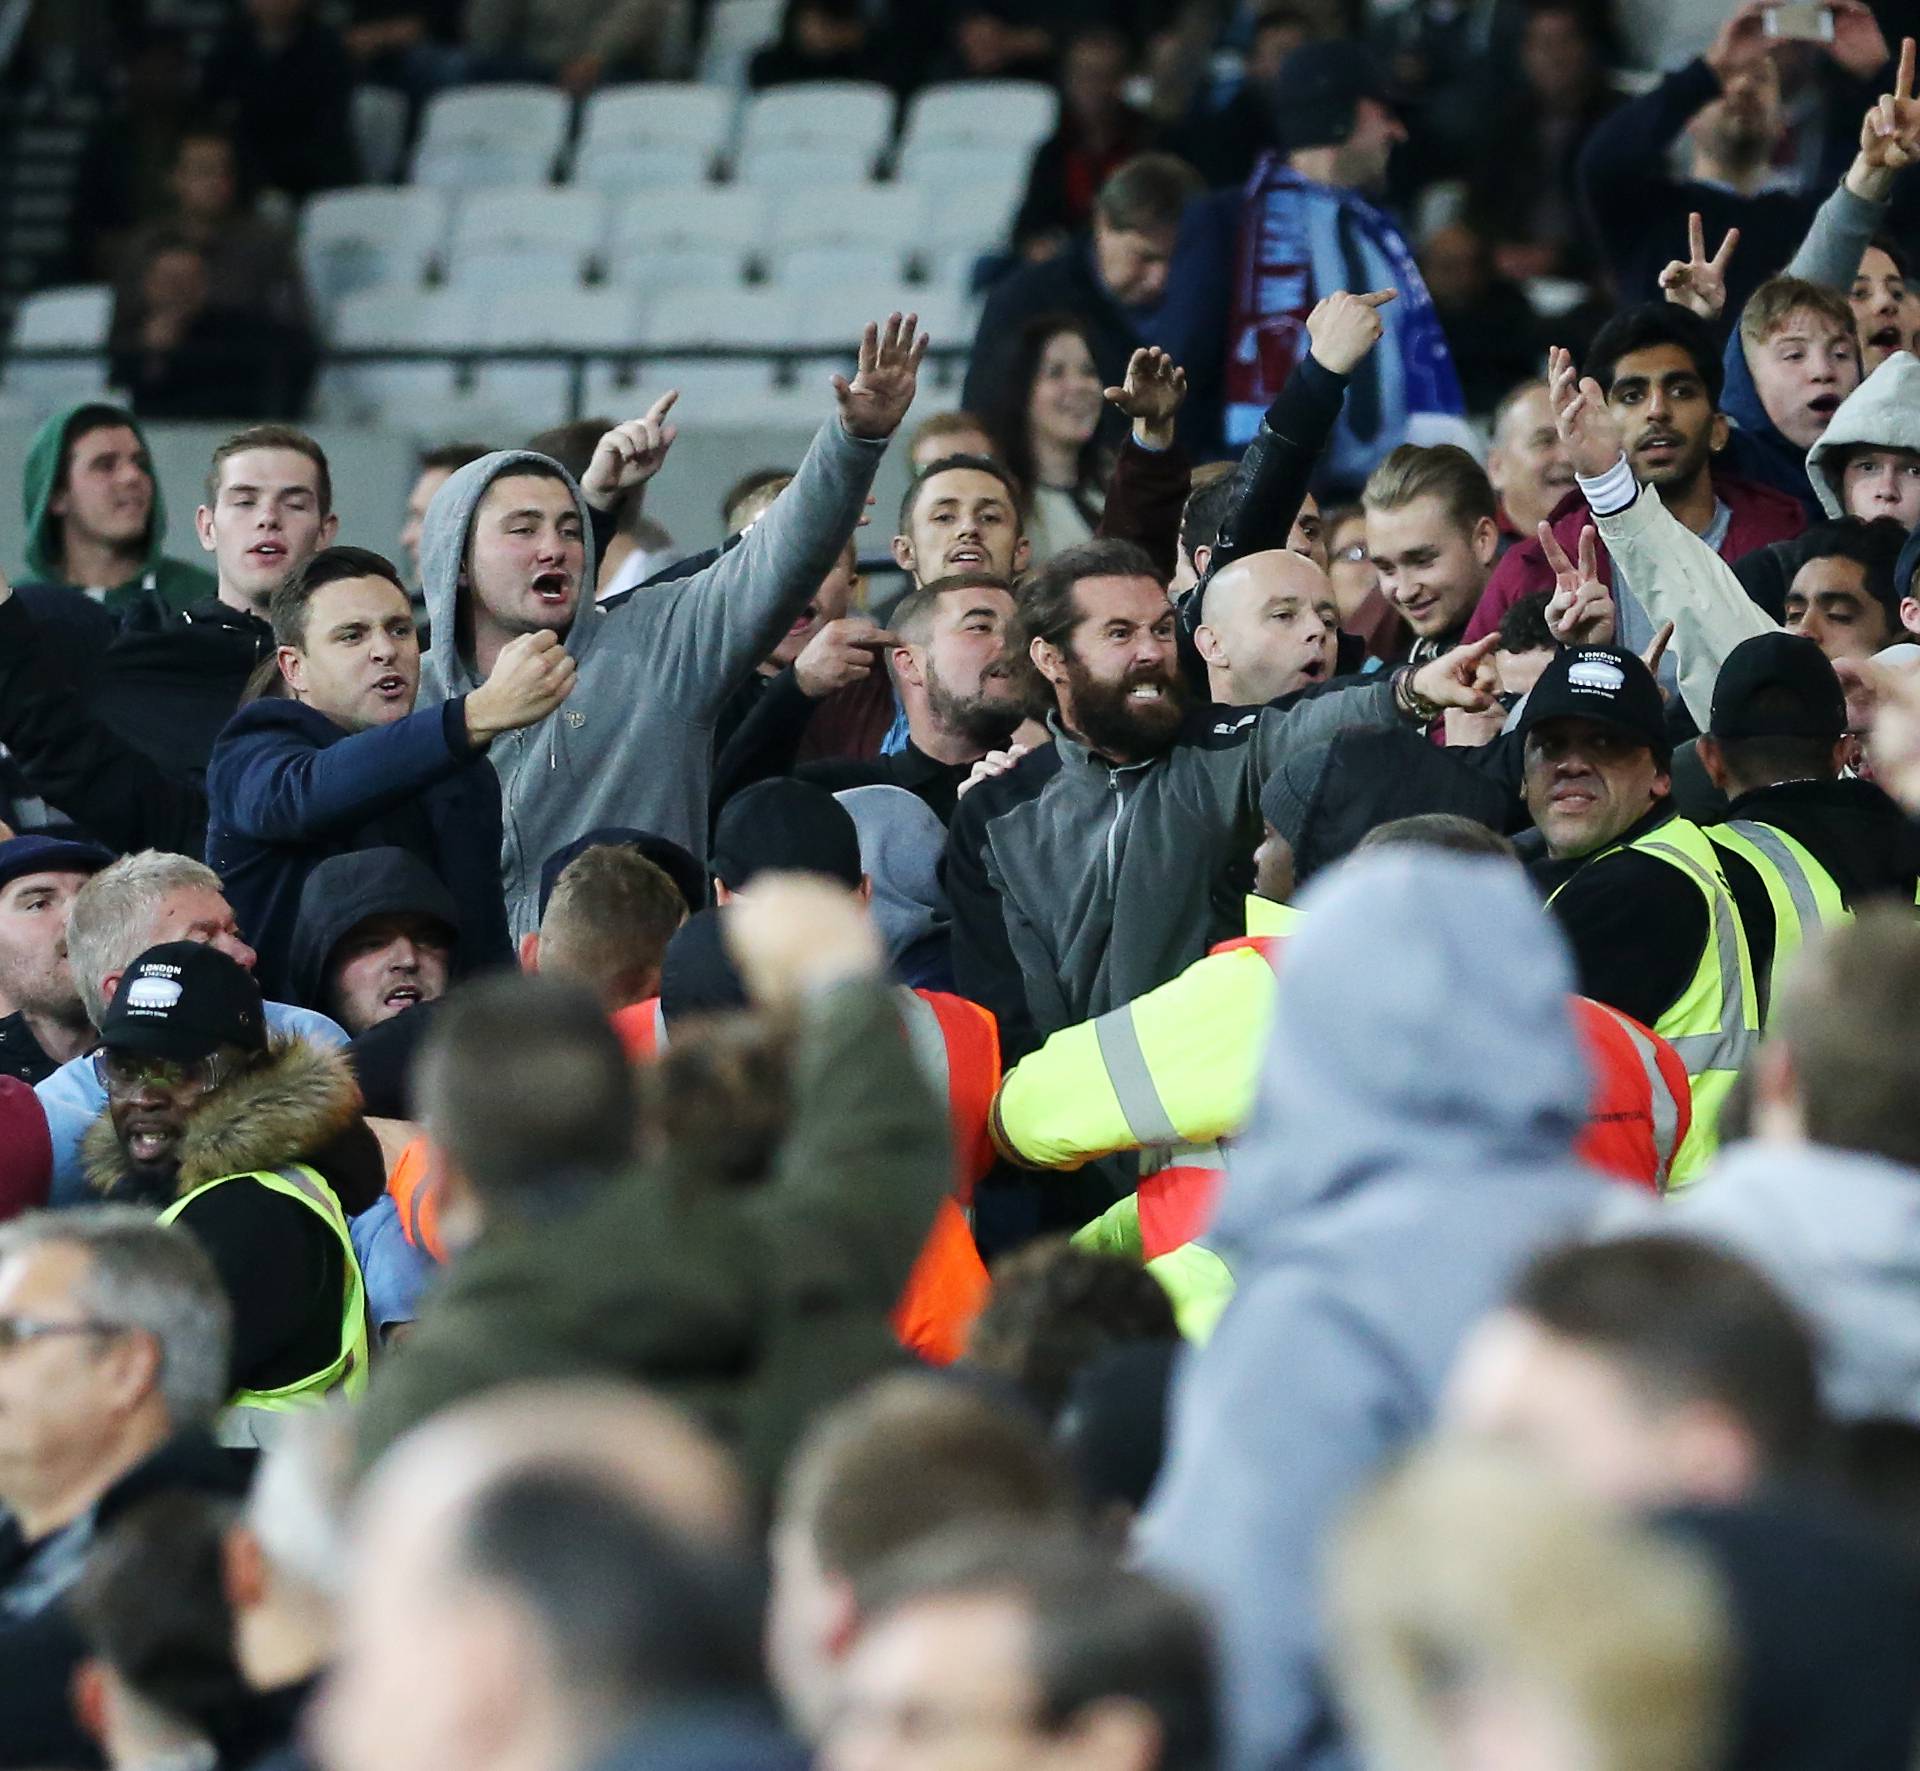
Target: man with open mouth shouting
column 338, row 760
column 507, row 551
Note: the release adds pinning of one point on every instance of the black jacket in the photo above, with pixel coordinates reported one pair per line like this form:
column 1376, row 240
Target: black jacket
column 286, row 788
column 937, row 783
column 115, row 727
column 39, row 1648
column 20, row 1053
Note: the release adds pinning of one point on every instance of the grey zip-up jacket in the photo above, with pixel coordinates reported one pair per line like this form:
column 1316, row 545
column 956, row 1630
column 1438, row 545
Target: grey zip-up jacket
column 1077, row 885
column 633, row 744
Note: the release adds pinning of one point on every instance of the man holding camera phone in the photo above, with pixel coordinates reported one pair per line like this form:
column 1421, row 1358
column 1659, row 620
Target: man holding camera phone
column 1729, row 106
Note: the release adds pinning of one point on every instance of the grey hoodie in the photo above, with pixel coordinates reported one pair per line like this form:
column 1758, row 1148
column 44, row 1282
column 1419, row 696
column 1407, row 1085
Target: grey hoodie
column 633, row 744
column 1839, row 1233
column 1883, row 410
column 1410, row 1147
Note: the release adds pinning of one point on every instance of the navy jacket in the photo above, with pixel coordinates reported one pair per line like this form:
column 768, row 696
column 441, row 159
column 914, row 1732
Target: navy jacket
column 286, row 788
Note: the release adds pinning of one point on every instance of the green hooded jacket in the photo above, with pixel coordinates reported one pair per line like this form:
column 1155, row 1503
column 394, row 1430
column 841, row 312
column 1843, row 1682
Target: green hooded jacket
column 752, row 1308
column 177, row 584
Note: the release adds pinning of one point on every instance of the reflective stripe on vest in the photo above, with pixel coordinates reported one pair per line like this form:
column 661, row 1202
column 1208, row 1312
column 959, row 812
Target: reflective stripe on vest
column 1666, row 1111
column 1132, row 1079
column 1803, row 894
column 1730, row 1047
column 347, row 1370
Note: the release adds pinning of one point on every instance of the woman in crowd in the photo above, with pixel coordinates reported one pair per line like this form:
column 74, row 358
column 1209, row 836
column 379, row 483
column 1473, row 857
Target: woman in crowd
column 1046, row 429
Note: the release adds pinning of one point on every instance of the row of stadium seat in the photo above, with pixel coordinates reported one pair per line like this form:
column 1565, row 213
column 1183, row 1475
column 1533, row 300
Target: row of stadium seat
column 548, row 238
column 629, row 136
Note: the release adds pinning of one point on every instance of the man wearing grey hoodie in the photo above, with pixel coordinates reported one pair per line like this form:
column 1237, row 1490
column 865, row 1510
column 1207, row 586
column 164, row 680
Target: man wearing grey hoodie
column 1411, row 1146
column 1825, row 1197
column 507, row 548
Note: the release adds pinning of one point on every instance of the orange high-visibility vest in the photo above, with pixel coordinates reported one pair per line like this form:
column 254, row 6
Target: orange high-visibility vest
column 958, row 1042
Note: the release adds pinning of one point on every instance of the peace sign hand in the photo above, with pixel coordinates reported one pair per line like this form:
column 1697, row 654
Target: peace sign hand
column 1697, row 282
column 1580, row 610
column 1890, row 131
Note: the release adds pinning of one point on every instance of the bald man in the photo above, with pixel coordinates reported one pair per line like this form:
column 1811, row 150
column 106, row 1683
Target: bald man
column 1268, row 627
column 1528, row 464
column 549, row 1578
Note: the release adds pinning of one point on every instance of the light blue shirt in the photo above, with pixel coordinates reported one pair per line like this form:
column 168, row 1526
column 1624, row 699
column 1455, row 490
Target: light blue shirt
column 74, row 1099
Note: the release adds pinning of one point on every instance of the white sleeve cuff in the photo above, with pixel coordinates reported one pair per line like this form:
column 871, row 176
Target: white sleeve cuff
column 1609, row 493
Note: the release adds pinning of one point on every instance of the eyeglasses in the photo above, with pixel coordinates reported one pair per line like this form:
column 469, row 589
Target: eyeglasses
column 118, row 1072
column 16, row 1331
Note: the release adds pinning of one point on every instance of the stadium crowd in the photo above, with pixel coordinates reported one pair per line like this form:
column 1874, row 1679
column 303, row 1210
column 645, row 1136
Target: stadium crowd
column 1238, row 1095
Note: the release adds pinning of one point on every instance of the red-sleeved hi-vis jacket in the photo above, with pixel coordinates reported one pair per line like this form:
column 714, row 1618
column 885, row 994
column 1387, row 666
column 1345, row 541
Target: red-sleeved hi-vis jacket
column 1174, row 1070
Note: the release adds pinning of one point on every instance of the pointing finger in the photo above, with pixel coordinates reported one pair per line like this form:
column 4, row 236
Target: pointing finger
column 1380, row 297
column 1696, row 239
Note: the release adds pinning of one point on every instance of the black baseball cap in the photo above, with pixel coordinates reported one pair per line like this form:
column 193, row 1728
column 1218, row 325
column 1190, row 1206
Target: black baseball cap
column 672, row 860
column 785, row 826
column 698, row 976
column 1604, row 684
column 50, row 854
column 1317, row 88
column 1778, row 685
column 184, row 1001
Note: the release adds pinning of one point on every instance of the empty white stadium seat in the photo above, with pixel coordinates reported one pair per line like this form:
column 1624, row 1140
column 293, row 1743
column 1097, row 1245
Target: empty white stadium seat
column 809, row 267
column 563, row 231
column 77, row 316
column 370, row 239
column 735, row 29
column 385, row 319
column 1006, row 113
column 652, row 132
column 863, row 214
column 796, row 135
column 678, row 318
column 697, row 234
column 944, row 168
column 492, row 135
column 577, row 319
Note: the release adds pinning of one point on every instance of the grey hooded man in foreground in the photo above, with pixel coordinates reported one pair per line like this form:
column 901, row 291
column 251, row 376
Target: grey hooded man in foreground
column 1411, row 1146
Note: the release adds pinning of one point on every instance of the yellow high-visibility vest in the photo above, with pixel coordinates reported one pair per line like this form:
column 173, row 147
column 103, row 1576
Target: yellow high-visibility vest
column 346, row 1372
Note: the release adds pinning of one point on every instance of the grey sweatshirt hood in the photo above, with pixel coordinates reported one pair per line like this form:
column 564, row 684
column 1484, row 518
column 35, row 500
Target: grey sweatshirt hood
column 1424, row 1027
column 902, row 843
column 633, row 744
column 444, row 533
column 1839, row 1233
column 1883, row 410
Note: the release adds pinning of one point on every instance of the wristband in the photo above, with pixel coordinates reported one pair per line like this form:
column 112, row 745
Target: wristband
column 1411, row 703
column 1609, row 493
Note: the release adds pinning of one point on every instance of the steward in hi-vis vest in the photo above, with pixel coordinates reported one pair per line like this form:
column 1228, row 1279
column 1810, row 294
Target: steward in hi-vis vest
column 1640, row 893
column 257, row 1149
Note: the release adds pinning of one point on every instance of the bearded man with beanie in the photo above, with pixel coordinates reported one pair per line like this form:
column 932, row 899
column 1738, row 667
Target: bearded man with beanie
column 1640, row 892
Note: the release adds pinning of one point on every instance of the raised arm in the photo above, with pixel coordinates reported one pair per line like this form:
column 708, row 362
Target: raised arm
column 1846, row 222
column 710, row 630
column 867, row 1158
column 1272, row 480
column 1677, row 576
column 1151, row 475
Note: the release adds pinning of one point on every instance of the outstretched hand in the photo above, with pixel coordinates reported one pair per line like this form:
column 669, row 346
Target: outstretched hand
column 1591, row 432
column 1580, row 610
column 1697, row 282
column 1889, row 134
column 1343, row 327
column 1454, row 678
column 876, row 399
column 1150, row 395
column 630, row 454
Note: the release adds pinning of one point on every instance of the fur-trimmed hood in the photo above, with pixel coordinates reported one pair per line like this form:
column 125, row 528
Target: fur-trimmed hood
column 300, row 1098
